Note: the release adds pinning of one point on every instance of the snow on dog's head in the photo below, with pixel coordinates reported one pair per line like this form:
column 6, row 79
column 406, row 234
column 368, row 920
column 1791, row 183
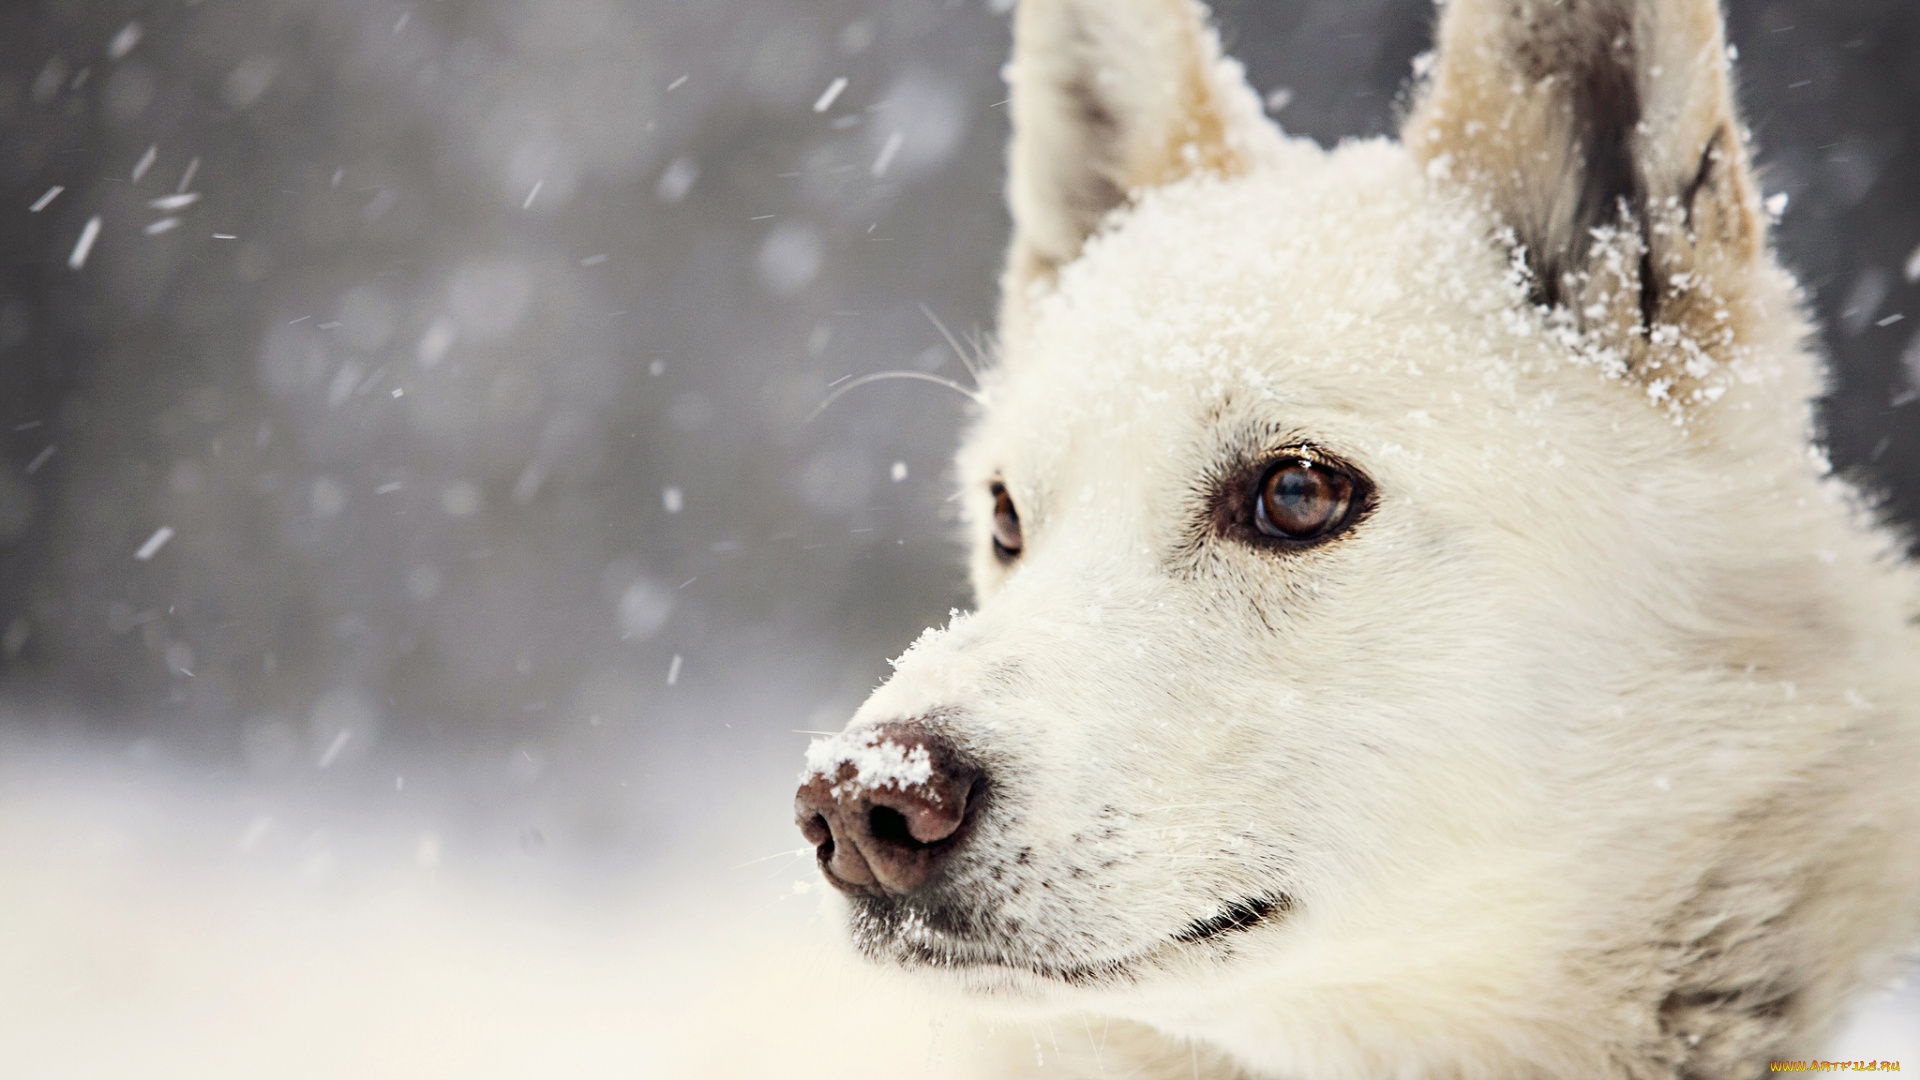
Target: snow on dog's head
column 1384, row 614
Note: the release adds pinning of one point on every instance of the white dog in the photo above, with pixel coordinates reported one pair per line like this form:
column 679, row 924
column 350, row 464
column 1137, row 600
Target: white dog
column 1416, row 636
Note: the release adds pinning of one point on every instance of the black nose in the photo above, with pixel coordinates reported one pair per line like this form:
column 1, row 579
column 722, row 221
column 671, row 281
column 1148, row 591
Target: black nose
column 884, row 805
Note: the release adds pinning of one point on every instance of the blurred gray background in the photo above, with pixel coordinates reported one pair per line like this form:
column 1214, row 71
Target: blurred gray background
column 465, row 351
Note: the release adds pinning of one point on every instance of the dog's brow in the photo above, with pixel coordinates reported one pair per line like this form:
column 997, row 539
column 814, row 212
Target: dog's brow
column 1245, row 442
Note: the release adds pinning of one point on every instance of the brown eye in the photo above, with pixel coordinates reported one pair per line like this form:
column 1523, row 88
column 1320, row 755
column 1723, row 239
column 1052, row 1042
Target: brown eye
column 1006, row 525
column 1303, row 500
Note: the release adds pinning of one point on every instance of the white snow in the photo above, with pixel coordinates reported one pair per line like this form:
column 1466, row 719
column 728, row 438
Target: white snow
column 460, row 499
column 84, row 246
column 830, row 94
column 154, row 543
column 676, row 180
column 877, row 762
column 435, row 342
column 146, row 162
column 160, row 929
column 250, row 80
column 338, row 744
column 643, row 608
column 790, row 257
column 54, row 193
column 124, row 41
column 887, row 153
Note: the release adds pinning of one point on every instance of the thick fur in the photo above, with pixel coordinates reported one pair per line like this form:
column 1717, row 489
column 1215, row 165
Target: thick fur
column 1587, row 752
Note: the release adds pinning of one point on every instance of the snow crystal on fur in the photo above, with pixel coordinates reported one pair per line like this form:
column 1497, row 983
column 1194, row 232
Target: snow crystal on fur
column 877, row 763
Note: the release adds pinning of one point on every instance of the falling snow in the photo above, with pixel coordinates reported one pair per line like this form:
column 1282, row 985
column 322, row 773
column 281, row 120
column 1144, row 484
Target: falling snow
column 881, row 164
column 84, row 246
column 154, row 543
column 124, row 41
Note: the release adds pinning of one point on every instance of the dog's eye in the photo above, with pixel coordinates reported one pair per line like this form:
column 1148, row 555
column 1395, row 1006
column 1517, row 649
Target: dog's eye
column 1006, row 525
column 1303, row 500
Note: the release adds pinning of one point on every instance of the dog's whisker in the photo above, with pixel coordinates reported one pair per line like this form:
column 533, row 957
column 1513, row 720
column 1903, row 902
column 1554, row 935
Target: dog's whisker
column 951, row 343
column 795, row 853
column 975, row 396
column 1169, row 830
column 982, row 355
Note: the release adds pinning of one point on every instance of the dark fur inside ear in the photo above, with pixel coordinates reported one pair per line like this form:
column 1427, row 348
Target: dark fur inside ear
column 1703, row 174
column 1593, row 57
column 1089, row 192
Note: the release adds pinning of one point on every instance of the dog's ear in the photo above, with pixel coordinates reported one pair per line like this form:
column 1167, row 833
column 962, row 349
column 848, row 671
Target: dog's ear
column 1605, row 134
column 1108, row 97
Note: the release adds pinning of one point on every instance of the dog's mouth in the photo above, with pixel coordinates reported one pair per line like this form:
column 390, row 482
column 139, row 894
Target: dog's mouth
column 949, row 940
column 1236, row 917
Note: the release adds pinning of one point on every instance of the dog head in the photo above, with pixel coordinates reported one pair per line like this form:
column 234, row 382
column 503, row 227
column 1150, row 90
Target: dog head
column 1357, row 533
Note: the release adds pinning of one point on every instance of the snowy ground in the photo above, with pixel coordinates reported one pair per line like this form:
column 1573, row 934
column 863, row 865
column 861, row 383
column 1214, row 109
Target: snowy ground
column 156, row 924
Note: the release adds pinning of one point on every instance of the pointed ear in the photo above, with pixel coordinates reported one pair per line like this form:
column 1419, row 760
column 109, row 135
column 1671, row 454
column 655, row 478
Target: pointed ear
column 1605, row 135
column 1110, row 96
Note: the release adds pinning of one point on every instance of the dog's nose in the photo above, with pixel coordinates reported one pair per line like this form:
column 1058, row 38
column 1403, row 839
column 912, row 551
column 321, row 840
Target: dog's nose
column 883, row 806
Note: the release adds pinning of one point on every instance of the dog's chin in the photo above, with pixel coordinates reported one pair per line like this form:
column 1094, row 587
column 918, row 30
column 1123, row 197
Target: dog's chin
column 964, row 948
column 1013, row 978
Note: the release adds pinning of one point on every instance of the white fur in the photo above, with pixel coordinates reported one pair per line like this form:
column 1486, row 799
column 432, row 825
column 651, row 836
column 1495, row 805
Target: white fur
column 1588, row 753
